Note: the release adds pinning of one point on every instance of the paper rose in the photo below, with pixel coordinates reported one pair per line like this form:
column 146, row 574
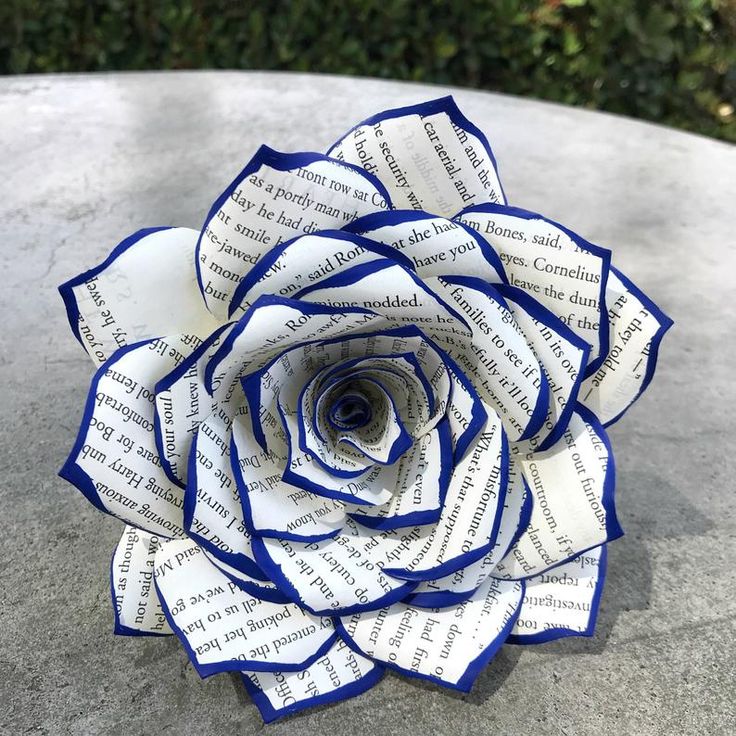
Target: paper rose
column 357, row 421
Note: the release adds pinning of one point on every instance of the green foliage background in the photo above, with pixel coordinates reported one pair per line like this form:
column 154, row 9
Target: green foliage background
column 672, row 62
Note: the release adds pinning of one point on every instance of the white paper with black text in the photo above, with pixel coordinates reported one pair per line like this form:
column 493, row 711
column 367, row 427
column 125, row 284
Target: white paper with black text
column 115, row 461
column 449, row 646
column 181, row 404
column 223, row 628
column 138, row 610
column 566, row 275
column 429, row 157
column 334, row 576
column 572, row 486
column 471, row 514
column 562, row 601
column 497, row 359
column 276, row 197
column 436, row 246
column 637, row 326
column 341, row 673
column 456, row 586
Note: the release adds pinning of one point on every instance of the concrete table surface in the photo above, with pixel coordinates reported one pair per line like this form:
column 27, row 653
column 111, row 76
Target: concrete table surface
column 88, row 159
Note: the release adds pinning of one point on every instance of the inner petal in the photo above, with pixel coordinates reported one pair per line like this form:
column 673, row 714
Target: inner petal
column 350, row 410
column 374, row 429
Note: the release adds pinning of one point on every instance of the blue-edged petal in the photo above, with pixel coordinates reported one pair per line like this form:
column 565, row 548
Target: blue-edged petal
column 392, row 290
column 458, row 586
column 562, row 356
column 276, row 197
column 383, row 439
column 637, row 326
column 271, row 326
column 336, row 576
column 256, row 587
column 468, row 526
column 422, row 477
column 414, row 395
column 339, row 675
column 137, row 608
column 182, row 403
column 290, row 266
column 145, row 288
column 284, row 375
column 572, row 486
column 225, row 629
column 438, row 644
column 272, row 507
column 114, row 461
column 305, row 450
column 435, row 245
column 562, row 602
column 465, row 410
column 372, row 487
column 213, row 515
column 429, row 156
column 560, row 269
column 497, row 358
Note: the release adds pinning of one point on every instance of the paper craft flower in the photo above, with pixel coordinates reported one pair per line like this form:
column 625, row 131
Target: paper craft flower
column 357, row 421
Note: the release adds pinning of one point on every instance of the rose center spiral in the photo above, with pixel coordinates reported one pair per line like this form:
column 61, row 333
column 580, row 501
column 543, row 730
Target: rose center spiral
column 350, row 410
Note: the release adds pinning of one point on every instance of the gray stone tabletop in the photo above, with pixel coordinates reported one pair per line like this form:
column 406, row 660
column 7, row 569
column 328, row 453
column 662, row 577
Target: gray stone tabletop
column 88, row 159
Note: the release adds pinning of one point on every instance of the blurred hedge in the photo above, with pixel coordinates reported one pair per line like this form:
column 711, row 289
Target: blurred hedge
column 673, row 62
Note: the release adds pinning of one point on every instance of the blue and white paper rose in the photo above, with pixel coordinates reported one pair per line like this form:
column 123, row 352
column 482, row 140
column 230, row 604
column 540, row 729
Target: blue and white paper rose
column 357, row 421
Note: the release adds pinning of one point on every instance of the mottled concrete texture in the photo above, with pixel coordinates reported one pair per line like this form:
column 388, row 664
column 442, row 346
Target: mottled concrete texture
column 88, row 159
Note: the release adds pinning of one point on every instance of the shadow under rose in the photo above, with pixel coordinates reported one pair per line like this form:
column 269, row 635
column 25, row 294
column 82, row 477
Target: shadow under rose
column 627, row 588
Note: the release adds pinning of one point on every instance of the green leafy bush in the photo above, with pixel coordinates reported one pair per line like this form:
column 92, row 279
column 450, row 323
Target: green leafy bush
column 672, row 62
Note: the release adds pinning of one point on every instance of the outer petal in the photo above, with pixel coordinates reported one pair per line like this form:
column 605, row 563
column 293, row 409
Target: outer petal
column 564, row 272
column 436, row 644
column 137, row 608
column 340, row 674
column 223, row 628
column 572, row 485
column 429, row 156
column 276, row 197
column 258, row 588
column 147, row 287
column 563, row 601
column 637, row 327
column 114, row 461
column 436, row 246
